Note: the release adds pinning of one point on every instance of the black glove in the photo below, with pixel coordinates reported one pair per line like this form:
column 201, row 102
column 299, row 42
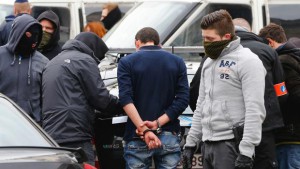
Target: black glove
column 243, row 162
column 187, row 157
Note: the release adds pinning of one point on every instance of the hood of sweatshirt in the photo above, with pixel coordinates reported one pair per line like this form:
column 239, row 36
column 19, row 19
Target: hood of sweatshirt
column 89, row 43
column 19, row 27
column 292, row 48
column 53, row 18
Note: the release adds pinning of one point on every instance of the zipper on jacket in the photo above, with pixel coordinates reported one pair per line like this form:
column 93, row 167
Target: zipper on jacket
column 211, row 96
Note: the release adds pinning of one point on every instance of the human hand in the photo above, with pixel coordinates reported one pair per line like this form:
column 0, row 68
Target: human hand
column 243, row 162
column 152, row 140
column 187, row 157
column 149, row 124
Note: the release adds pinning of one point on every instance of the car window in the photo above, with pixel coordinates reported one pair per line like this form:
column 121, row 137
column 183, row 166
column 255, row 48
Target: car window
column 93, row 11
column 191, row 36
column 162, row 16
column 64, row 19
column 16, row 129
column 288, row 18
column 5, row 10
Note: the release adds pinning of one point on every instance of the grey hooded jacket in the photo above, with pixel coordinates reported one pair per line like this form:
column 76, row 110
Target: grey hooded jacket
column 231, row 92
column 21, row 77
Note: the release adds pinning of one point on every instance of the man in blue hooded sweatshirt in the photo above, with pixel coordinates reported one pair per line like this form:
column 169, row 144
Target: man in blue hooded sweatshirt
column 21, row 65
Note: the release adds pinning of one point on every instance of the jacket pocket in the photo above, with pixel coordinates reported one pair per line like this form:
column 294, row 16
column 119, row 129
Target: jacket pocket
column 220, row 117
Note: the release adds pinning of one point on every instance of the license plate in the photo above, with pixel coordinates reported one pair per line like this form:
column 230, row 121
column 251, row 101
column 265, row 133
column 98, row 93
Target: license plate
column 196, row 163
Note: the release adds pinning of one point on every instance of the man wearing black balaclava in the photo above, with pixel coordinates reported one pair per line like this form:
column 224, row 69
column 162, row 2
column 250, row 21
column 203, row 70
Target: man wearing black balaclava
column 73, row 89
column 21, row 65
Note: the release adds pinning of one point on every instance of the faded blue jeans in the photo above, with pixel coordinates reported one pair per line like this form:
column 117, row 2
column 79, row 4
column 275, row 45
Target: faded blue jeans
column 137, row 155
column 288, row 156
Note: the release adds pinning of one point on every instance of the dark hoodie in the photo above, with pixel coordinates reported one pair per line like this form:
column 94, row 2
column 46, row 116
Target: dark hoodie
column 52, row 48
column 289, row 55
column 275, row 75
column 21, row 76
column 73, row 88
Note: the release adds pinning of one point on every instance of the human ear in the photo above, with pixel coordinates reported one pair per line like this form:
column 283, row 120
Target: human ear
column 227, row 36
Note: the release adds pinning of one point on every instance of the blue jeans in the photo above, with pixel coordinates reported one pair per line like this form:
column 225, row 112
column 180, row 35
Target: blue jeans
column 288, row 156
column 137, row 155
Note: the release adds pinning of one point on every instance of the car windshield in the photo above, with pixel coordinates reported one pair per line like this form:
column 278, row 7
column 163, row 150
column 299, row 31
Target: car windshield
column 17, row 130
column 161, row 16
column 5, row 10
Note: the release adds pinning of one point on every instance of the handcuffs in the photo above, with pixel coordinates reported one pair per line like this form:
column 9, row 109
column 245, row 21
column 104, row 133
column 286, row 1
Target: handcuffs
column 155, row 131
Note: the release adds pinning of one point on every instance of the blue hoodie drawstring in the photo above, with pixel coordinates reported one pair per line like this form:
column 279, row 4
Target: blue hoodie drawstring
column 29, row 66
column 29, row 70
column 20, row 59
column 13, row 62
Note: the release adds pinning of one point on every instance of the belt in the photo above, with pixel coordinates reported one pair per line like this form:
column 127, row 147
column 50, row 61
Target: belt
column 217, row 141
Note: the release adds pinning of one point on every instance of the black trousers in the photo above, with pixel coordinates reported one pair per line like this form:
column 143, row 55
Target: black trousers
column 265, row 152
column 109, row 152
column 219, row 154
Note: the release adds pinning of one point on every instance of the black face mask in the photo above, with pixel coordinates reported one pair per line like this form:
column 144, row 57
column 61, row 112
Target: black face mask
column 29, row 41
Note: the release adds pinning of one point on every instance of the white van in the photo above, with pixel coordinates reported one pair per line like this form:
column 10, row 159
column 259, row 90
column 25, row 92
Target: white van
column 178, row 23
column 74, row 14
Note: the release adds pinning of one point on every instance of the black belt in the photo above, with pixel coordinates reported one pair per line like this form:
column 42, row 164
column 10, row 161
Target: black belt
column 218, row 141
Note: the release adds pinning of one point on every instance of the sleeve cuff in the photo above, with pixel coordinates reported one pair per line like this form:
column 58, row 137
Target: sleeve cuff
column 246, row 149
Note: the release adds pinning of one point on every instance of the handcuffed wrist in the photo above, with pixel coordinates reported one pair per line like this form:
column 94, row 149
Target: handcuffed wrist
column 145, row 131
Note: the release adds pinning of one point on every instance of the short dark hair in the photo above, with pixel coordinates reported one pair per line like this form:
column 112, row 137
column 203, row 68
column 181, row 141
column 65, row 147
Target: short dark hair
column 219, row 20
column 147, row 34
column 274, row 32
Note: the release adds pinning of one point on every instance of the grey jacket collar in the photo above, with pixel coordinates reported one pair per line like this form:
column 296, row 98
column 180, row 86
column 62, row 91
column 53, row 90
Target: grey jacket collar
column 231, row 46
